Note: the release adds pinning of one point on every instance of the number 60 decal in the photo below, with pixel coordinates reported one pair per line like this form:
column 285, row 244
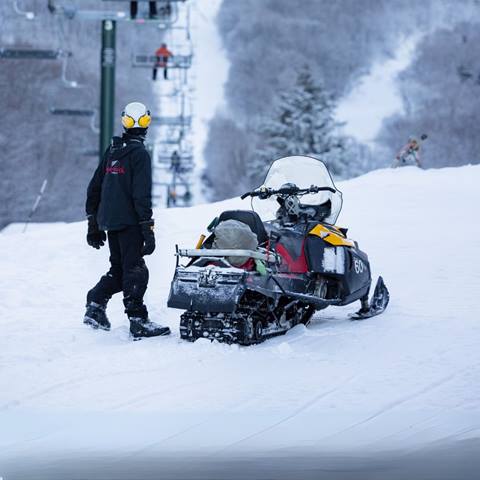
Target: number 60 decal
column 358, row 265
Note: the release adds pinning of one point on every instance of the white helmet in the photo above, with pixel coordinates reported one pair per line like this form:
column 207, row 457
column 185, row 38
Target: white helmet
column 136, row 115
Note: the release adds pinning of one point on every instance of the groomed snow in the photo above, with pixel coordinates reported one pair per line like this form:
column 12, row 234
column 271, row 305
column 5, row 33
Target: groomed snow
column 406, row 378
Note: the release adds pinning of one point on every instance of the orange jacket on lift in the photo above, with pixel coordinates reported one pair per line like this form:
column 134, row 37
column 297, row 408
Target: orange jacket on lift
column 162, row 54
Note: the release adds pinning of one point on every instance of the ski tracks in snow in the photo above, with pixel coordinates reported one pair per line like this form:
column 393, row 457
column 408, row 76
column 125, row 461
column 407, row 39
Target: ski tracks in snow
column 40, row 393
column 314, row 337
column 396, row 403
column 298, row 411
column 381, row 411
column 166, row 439
column 15, row 403
column 142, row 398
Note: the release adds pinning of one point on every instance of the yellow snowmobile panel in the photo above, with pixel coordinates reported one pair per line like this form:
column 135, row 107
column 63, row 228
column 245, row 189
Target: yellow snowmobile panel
column 331, row 235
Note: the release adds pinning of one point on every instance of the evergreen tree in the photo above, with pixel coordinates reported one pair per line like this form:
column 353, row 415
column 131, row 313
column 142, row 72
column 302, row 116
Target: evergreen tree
column 302, row 124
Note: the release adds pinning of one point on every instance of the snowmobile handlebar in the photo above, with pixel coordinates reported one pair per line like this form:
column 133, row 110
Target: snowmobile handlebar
column 265, row 192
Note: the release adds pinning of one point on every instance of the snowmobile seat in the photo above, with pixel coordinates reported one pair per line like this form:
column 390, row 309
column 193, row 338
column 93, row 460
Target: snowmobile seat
column 250, row 218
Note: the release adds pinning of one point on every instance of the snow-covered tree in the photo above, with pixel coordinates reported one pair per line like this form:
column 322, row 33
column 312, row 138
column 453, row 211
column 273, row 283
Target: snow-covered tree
column 302, row 124
column 228, row 159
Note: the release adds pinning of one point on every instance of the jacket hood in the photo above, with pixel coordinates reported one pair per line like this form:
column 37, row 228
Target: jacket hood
column 122, row 146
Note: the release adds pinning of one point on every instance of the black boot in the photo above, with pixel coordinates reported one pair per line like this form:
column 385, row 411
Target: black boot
column 96, row 317
column 140, row 325
column 143, row 327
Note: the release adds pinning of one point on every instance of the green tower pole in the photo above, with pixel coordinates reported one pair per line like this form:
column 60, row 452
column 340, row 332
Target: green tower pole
column 107, row 87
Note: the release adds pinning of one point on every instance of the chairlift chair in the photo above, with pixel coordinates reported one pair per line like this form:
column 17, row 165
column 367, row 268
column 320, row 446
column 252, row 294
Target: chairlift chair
column 41, row 54
column 162, row 18
column 181, row 169
column 178, row 170
column 30, row 54
column 170, row 141
column 77, row 112
column 89, row 153
column 176, row 199
column 142, row 60
column 180, row 121
column 183, row 157
column 72, row 112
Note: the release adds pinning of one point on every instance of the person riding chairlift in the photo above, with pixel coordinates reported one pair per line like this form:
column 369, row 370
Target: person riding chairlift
column 152, row 10
column 175, row 162
column 162, row 55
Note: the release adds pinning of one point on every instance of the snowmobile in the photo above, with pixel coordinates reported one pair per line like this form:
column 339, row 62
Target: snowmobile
column 253, row 279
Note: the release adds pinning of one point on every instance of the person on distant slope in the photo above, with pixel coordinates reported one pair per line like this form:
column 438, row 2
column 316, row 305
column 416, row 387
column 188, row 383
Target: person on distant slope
column 162, row 56
column 409, row 154
column 119, row 202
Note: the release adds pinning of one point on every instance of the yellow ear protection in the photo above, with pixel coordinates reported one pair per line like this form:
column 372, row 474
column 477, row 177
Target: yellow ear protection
column 143, row 122
column 127, row 120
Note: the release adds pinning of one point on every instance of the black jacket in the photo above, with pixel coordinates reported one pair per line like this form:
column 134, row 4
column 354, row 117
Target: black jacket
column 120, row 191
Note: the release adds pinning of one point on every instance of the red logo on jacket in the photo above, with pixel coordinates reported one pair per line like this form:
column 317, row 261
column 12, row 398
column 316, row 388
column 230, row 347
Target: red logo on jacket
column 114, row 169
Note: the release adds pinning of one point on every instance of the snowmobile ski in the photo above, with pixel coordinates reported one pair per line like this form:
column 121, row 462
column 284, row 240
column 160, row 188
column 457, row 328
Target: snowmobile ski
column 377, row 304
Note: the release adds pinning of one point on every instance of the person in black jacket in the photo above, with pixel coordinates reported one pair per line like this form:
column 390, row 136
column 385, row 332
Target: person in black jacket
column 119, row 202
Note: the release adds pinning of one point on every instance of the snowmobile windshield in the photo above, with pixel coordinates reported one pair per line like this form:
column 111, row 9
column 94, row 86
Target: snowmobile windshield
column 303, row 172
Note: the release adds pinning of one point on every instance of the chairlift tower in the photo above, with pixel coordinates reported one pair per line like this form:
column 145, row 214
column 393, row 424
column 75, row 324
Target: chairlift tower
column 174, row 128
column 109, row 21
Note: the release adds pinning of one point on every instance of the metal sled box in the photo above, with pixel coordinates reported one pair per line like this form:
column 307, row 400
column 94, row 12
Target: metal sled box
column 206, row 289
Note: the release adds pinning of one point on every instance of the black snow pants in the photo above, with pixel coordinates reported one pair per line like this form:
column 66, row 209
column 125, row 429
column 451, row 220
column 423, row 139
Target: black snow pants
column 128, row 272
column 161, row 62
column 152, row 6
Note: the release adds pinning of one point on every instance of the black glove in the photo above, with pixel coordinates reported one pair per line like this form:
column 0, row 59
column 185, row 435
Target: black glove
column 148, row 237
column 95, row 237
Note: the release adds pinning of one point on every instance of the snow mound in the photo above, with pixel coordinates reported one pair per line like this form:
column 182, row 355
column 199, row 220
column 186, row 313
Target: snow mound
column 410, row 376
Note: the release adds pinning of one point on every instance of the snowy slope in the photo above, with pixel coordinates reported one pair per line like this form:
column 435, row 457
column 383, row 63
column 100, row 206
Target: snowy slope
column 408, row 377
column 376, row 97
column 210, row 70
